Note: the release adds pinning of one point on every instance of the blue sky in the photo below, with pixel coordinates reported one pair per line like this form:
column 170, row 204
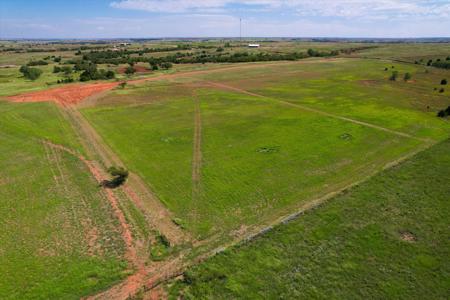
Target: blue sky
column 215, row 18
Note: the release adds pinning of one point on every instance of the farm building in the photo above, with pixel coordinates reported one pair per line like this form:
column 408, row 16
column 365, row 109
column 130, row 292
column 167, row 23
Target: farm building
column 253, row 45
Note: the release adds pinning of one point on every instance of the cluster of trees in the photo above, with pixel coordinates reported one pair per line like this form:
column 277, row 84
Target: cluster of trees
column 30, row 73
column 444, row 112
column 92, row 73
column 66, row 80
column 394, row 75
column 155, row 65
column 314, row 53
column 441, row 64
column 37, row 63
column 65, row 69
column 122, row 57
column 101, row 57
column 438, row 63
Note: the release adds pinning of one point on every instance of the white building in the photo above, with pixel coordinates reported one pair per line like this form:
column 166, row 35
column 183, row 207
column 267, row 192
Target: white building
column 253, row 45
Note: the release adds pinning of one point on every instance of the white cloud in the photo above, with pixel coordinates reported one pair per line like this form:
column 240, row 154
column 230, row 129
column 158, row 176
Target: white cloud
column 377, row 9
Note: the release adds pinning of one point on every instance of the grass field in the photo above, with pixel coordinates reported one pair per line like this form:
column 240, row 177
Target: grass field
column 357, row 89
column 229, row 150
column 260, row 158
column 385, row 239
column 59, row 237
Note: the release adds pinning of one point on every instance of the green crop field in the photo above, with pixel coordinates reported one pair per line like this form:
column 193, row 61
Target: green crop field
column 59, row 238
column 385, row 239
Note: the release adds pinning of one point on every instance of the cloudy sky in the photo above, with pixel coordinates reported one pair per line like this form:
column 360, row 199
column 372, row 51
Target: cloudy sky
column 220, row 18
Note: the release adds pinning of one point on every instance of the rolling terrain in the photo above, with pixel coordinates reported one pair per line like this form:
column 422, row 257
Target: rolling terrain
column 218, row 154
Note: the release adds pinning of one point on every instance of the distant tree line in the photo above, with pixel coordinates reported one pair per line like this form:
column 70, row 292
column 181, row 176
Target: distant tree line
column 441, row 64
column 219, row 56
column 37, row 63
column 100, row 57
column 438, row 63
column 60, row 49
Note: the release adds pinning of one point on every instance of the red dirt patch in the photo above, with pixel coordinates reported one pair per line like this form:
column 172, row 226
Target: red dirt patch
column 69, row 94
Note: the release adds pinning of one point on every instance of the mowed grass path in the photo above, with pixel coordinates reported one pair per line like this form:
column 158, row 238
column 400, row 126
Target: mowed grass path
column 260, row 159
column 384, row 239
column 58, row 238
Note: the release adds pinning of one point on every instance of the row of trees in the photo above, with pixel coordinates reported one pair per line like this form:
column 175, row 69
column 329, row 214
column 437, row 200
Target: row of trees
column 122, row 57
column 442, row 64
column 37, row 63
column 100, row 57
column 394, row 76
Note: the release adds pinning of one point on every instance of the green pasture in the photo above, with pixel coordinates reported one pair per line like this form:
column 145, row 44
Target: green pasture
column 408, row 51
column 12, row 81
column 385, row 239
column 355, row 88
column 59, row 237
column 260, row 159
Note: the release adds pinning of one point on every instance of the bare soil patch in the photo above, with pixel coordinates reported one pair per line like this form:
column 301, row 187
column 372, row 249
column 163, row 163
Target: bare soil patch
column 75, row 93
column 66, row 95
column 408, row 236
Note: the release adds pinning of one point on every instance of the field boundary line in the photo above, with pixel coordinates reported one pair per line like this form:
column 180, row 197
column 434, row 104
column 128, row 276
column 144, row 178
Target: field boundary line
column 317, row 111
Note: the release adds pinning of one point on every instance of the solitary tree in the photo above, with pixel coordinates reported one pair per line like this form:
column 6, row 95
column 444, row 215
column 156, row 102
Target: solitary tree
column 166, row 65
column 407, row 77
column 394, row 76
column 119, row 175
column 30, row 73
column 130, row 70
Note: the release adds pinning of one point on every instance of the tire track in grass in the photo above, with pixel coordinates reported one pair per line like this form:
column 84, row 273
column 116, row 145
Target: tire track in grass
column 135, row 189
column 135, row 281
column 317, row 111
column 197, row 150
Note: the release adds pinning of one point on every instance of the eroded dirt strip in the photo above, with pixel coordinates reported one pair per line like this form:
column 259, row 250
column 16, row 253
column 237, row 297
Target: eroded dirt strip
column 99, row 176
column 399, row 133
column 132, row 283
column 137, row 191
